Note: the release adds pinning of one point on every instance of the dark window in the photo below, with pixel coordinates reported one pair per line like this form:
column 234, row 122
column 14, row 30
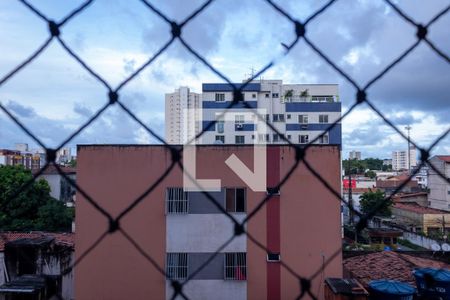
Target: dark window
column 235, row 199
column 220, row 138
column 273, row 257
column 240, row 139
column 274, row 95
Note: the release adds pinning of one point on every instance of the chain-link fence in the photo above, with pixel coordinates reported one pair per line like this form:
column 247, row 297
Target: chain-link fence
column 113, row 98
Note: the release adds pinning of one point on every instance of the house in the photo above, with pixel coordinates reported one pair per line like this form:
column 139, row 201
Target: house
column 415, row 217
column 391, row 184
column 36, row 265
column 390, row 265
column 182, row 229
column 60, row 187
column 439, row 188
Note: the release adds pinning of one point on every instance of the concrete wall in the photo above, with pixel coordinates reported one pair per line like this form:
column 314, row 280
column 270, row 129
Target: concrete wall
column 439, row 195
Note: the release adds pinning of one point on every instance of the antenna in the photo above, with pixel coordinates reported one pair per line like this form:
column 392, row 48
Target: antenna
column 409, row 150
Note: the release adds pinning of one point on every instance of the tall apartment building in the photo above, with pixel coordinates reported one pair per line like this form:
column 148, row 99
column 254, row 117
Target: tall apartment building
column 300, row 112
column 181, row 229
column 181, row 126
column 354, row 155
column 439, row 195
column 400, row 160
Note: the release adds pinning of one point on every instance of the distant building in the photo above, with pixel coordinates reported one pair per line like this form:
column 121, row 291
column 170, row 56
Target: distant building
column 422, row 176
column 387, row 162
column 400, row 160
column 60, row 188
column 439, row 188
column 391, row 184
column 180, row 125
column 299, row 112
column 28, row 160
column 22, row 147
column 354, row 155
column 417, row 218
column 64, row 155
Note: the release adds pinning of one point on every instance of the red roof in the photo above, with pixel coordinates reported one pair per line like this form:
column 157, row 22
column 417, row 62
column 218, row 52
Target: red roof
column 388, row 265
column 445, row 158
column 66, row 239
column 414, row 207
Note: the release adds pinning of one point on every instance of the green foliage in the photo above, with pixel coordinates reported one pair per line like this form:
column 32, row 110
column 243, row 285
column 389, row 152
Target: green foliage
column 73, row 163
column 370, row 174
column 375, row 201
column 360, row 166
column 33, row 208
column 289, row 94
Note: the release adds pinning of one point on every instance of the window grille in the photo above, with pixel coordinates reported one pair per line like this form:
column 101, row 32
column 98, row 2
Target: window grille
column 177, row 201
column 177, row 265
column 236, row 266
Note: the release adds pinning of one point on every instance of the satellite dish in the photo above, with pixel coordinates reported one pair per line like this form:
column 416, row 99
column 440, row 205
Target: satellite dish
column 435, row 247
column 445, row 247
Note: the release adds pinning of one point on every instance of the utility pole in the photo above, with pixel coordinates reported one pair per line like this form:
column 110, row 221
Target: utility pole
column 409, row 150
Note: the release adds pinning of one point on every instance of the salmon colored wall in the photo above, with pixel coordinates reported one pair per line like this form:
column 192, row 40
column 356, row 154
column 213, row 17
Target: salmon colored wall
column 115, row 176
column 310, row 220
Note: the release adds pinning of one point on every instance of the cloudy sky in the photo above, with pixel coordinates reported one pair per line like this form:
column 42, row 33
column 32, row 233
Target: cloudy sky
column 54, row 95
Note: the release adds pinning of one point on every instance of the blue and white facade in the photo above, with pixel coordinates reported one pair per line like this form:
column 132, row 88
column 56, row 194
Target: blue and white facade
column 301, row 112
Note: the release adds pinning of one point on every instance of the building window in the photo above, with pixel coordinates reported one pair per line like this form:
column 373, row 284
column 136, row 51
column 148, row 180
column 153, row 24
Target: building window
column 289, row 136
column 323, row 118
column 303, row 119
column 236, row 266
column 276, row 137
column 220, row 138
column 274, row 95
column 323, row 139
column 267, row 95
column 278, row 117
column 267, row 118
column 177, row 201
column 239, row 139
column 235, row 199
column 239, row 119
column 273, row 257
column 303, row 139
column 220, row 126
column 220, row 97
column 177, row 265
column 253, row 96
column 253, row 136
column 288, row 116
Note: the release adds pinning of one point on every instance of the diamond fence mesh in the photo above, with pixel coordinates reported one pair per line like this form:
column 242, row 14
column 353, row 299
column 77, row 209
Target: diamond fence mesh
column 176, row 30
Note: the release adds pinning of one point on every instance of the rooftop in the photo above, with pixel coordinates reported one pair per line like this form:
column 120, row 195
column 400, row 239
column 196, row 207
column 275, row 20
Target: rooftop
column 445, row 158
column 63, row 239
column 51, row 170
column 414, row 207
column 388, row 265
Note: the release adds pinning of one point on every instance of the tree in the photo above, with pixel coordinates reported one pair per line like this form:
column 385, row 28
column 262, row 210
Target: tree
column 371, row 201
column 371, row 174
column 73, row 163
column 33, row 208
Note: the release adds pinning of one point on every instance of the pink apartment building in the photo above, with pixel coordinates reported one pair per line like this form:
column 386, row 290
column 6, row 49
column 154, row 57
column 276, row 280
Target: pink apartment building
column 180, row 230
